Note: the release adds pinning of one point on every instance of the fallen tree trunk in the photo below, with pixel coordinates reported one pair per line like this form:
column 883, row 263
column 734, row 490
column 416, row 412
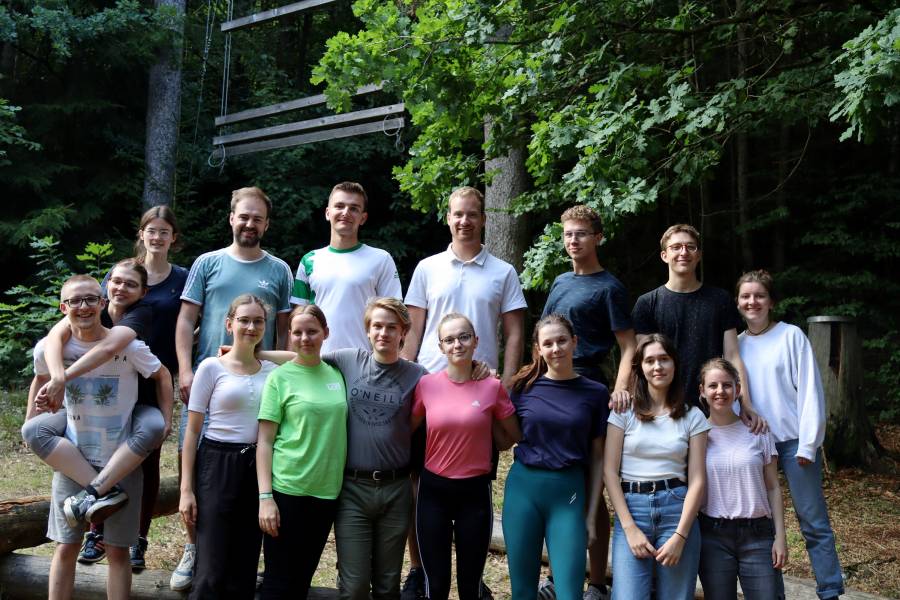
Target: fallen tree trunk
column 23, row 521
column 24, row 577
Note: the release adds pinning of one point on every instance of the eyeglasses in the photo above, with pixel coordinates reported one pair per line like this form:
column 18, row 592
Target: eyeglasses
column 131, row 285
column 577, row 235
column 464, row 338
column 676, row 248
column 160, row 233
column 83, row 301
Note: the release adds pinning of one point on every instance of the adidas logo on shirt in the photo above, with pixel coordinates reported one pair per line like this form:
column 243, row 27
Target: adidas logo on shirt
column 476, row 404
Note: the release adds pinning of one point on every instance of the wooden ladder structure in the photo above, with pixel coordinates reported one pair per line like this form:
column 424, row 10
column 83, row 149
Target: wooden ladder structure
column 387, row 118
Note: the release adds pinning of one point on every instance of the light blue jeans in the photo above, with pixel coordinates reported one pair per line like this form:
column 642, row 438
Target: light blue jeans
column 657, row 515
column 805, row 484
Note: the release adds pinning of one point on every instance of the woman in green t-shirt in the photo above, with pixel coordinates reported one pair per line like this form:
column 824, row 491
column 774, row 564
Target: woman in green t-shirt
column 300, row 456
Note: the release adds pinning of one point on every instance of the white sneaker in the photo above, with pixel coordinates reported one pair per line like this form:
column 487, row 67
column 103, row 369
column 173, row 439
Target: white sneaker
column 594, row 593
column 183, row 575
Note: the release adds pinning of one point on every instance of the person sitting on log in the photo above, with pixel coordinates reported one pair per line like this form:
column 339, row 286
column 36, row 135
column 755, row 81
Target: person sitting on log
column 99, row 406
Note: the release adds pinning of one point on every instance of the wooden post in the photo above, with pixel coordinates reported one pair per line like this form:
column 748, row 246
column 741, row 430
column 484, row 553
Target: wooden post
column 849, row 435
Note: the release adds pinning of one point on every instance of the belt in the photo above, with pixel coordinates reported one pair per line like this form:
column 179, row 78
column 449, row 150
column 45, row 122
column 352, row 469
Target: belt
column 650, row 487
column 736, row 523
column 384, row 475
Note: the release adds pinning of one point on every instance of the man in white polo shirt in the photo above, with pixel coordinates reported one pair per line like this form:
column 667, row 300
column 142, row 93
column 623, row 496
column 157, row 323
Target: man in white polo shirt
column 466, row 279
column 343, row 276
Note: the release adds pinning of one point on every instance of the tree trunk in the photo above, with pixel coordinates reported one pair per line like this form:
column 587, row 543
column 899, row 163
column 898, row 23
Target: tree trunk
column 506, row 235
column 741, row 150
column 779, row 245
column 23, row 521
column 164, row 115
column 24, row 577
column 849, row 436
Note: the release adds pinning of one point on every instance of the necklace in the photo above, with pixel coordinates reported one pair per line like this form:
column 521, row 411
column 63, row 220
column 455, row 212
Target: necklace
column 764, row 329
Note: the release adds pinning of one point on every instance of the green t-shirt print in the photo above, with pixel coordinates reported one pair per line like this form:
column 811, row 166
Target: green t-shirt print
column 310, row 406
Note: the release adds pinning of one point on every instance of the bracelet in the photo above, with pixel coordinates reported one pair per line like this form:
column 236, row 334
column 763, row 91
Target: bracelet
column 681, row 536
column 267, row 495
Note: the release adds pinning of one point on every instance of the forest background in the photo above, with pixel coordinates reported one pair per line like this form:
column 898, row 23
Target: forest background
column 773, row 127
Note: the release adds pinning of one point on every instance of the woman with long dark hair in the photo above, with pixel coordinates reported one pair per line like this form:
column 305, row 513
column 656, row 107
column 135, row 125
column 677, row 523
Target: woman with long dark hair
column 655, row 475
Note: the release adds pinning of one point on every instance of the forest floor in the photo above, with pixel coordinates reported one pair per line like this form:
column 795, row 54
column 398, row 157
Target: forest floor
column 864, row 507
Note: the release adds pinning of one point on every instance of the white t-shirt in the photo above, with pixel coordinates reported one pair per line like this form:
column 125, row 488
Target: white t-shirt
column 735, row 459
column 657, row 449
column 231, row 399
column 99, row 403
column 785, row 385
column 482, row 289
column 341, row 283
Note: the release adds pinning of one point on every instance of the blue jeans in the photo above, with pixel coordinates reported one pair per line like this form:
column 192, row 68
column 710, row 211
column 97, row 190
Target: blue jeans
column 805, row 484
column 739, row 548
column 657, row 515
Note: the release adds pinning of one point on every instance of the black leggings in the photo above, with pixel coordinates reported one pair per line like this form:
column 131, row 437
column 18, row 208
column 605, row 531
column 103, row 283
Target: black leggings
column 292, row 557
column 449, row 510
column 228, row 533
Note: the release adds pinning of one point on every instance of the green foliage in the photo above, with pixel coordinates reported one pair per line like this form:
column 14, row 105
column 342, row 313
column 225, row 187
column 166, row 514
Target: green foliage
column 34, row 306
column 869, row 79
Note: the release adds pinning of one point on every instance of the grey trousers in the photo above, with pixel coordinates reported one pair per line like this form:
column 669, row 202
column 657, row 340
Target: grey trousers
column 370, row 533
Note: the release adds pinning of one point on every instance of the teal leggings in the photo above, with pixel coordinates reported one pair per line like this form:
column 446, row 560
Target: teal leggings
column 540, row 504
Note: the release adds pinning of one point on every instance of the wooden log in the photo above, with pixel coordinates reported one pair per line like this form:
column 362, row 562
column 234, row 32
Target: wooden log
column 268, row 15
column 849, row 436
column 23, row 521
column 309, row 124
column 316, row 136
column 283, row 107
column 25, row 577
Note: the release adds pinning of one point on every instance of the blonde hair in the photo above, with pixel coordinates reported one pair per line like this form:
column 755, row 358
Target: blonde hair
column 466, row 191
column 678, row 228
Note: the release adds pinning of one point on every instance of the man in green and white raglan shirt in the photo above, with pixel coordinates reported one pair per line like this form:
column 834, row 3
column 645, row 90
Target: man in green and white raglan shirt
column 343, row 276
column 217, row 278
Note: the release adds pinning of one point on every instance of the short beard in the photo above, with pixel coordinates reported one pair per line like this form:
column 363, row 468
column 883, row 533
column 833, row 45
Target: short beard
column 243, row 242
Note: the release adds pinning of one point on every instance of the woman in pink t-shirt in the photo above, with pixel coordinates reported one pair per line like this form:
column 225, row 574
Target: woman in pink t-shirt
column 742, row 521
column 454, row 498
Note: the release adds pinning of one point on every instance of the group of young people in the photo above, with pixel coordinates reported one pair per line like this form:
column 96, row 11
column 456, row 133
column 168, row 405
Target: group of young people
column 323, row 399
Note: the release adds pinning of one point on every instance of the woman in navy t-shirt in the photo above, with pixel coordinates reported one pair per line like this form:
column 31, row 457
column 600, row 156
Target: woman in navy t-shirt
column 558, row 464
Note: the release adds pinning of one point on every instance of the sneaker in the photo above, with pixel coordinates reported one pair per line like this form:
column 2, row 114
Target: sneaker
column 183, row 575
column 93, row 549
column 414, row 586
column 137, row 555
column 107, row 505
column 546, row 590
column 84, row 507
column 594, row 592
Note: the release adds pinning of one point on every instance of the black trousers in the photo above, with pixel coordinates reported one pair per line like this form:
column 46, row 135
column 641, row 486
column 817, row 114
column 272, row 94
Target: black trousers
column 448, row 511
column 292, row 557
column 228, row 533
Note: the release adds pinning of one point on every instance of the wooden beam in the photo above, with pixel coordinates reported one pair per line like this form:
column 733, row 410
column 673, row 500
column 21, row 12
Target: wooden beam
column 317, row 136
column 317, row 123
column 268, row 15
column 281, row 107
column 24, row 577
column 23, row 521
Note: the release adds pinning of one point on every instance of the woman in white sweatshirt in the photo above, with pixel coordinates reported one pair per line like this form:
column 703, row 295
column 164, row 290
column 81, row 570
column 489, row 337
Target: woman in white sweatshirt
column 787, row 391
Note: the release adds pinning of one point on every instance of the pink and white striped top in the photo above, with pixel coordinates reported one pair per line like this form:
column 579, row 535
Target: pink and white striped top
column 735, row 458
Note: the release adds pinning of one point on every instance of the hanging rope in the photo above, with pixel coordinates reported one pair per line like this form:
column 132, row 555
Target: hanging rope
column 398, row 141
column 218, row 156
column 207, row 42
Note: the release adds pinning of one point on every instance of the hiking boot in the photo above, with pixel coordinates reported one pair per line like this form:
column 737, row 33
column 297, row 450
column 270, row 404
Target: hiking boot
column 137, row 555
column 183, row 575
column 84, row 507
column 93, row 549
column 596, row 592
column 414, row 586
column 546, row 590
